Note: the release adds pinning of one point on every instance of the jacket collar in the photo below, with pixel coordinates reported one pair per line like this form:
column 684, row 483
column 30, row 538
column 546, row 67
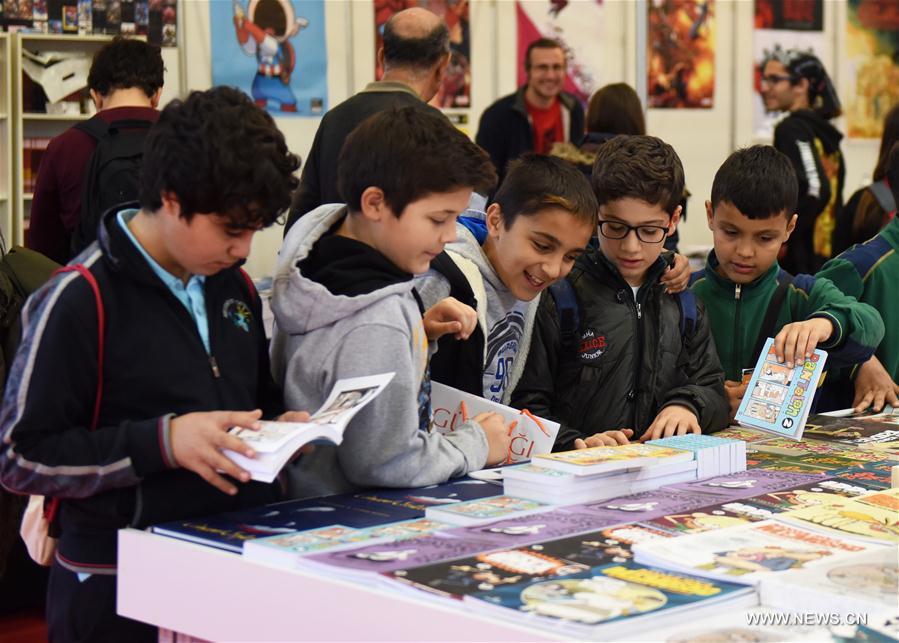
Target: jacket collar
column 725, row 284
column 890, row 232
column 600, row 266
column 519, row 105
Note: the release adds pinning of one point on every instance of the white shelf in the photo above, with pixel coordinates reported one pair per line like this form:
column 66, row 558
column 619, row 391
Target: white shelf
column 33, row 116
column 27, row 196
column 58, row 37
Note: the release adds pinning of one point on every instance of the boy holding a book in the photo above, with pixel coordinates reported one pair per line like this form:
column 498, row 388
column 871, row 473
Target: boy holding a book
column 749, row 298
column 614, row 357
column 126, row 427
column 345, row 305
column 869, row 272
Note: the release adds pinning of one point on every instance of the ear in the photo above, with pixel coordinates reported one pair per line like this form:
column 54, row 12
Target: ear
column 791, row 226
column 97, row 97
column 495, row 223
column 374, row 205
column 381, row 58
column 154, row 99
column 170, row 204
column 709, row 213
column 675, row 218
column 440, row 72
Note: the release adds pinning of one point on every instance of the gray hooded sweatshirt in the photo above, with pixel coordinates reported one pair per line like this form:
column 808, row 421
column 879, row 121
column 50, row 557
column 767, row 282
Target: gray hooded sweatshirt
column 320, row 338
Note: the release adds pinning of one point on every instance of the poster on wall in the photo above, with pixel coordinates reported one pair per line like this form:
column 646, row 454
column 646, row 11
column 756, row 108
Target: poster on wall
column 577, row 26
column 871, row 86
column 274, row 50
column 680, row 59
column 456, row 89
column 790, row 15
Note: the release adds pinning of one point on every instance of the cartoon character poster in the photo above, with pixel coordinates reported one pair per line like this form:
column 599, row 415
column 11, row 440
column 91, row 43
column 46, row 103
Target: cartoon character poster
column 871, row 63
column 274, row 50
column 577, row 26
column 456, row 89
column 681, row 53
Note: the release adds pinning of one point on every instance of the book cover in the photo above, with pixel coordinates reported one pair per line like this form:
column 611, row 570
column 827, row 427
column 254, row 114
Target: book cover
column 745, row 484
column 639, row 507
column 748, row 436
column 778, row 398
column 711, row 518
column 599, row 459
column 811, row 494
column 875, row 432
column 485, row 510
column 525, row 530
column 420, row 498
column 851, row 517
column 870, row 474
column 531, row 435
column 808, row 446
column 745, row 553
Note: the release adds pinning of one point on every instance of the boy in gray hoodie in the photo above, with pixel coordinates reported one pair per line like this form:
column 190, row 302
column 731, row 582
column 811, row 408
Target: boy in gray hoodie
column 345, row 306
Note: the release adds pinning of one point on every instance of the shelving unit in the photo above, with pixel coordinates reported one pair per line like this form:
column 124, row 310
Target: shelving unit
column 35, row 124
column 6, row 142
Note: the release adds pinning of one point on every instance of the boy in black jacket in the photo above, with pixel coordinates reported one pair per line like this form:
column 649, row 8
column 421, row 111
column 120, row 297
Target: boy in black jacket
column 183, row 342
column 635, row 364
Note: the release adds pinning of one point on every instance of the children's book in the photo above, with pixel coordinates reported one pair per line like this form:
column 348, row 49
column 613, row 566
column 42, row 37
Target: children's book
column 874, row 475
column 822, row 492
column 747, row 483
column 877, row 433
column 276, row 442
column 476, row 512
column 602, row 459
column 860, row 584
column 639, row 507
column 778, row 398
column 610, row 601
column 871, row 518
column 525, row 530
column 711, row 518
column 745, row 553
column 531, row 435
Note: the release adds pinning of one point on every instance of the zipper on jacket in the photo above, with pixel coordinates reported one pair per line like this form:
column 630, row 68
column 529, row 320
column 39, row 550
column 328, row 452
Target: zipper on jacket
column 738, row 289
column 632, row 395
column 216, row 373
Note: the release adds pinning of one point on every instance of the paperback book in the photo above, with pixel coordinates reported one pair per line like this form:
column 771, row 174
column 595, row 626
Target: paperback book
column 475, row 512
column 872, row 518
column 276, row 442
column 595, row 460
column 778, row 398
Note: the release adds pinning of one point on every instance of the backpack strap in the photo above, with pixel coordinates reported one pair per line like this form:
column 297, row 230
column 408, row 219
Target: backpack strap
column 95, row 127
column 251, row 287
column 686, row 302
column 774, row 305
column 884, row 195
column 52, row 506
column 459, row 286
column 567, row 309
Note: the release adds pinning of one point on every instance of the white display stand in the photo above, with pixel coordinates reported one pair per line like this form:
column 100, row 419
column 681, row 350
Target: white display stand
column 219, row 596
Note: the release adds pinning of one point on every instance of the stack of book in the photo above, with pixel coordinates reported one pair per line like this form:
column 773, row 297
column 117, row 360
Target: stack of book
column 484, row 510
column 714, row 456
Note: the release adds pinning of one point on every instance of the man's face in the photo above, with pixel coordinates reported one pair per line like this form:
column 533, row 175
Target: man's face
column 779, row 94
column 746, row 248
column 546, row 72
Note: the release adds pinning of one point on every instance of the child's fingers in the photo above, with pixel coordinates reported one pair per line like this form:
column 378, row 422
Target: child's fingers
column 209, row 475
column 860, row 405
column 779, row 340
column 619, row 437
column 579, row 444
column 243, row 419
column 294, row 416
column 232, row 443
column 790, row 346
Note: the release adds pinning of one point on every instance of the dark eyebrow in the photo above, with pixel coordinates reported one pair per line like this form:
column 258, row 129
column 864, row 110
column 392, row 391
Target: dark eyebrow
column 548, row 237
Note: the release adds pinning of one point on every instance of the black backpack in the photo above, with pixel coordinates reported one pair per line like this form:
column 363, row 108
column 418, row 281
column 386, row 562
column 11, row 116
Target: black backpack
column 113, row 173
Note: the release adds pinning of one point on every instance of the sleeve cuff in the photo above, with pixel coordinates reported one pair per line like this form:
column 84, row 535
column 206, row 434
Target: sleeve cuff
column 836, row 339
column 151, row 445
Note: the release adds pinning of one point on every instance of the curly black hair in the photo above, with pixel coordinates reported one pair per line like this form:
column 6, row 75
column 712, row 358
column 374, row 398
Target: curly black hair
column 125, row 63
column 219, row 153
column 638, row 167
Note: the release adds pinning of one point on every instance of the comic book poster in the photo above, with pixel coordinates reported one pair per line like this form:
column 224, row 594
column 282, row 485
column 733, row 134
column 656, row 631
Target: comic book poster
column 456, row 89
column 680, row 57
column 577, row 26
column 782, row 24
column 274, row 50
column 871, row 86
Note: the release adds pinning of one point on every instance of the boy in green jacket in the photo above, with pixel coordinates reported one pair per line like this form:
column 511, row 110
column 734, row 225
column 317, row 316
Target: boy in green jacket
column 753, row 196
column 869, row 272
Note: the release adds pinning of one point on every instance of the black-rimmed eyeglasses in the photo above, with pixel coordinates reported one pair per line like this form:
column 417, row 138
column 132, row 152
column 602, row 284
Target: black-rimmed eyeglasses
column 645, row 233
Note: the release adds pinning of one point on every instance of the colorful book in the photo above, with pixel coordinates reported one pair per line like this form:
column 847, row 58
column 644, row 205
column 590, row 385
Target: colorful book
column 745, row 553
column 531, row 435
column 603, row 459
column 277, row 442
column 874, row 432
column 871, row 518
column 818, row 493
column 778, row 398
column 714, row 455
column 711, row 518
column 748, row 483
column 475, row 512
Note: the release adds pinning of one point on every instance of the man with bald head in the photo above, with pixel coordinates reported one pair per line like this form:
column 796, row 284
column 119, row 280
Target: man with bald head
column 414, row 58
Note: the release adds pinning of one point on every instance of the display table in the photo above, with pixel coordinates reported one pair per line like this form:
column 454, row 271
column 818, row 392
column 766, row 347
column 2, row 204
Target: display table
column 216, row 595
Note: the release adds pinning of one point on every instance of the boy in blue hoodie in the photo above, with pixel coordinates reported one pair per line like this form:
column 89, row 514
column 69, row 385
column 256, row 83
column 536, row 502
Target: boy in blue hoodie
column 345, row 305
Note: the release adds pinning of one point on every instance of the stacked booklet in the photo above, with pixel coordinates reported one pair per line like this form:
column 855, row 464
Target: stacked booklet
column 476, row 512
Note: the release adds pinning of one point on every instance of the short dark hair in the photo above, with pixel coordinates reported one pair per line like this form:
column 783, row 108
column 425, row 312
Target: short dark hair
column 125, row 63
column 420, row 53
column 616, row 109
column 638, row 167
column 540, row 43
column 759, row 181
column 892, row 171
column 217, row 151
column 409, row 153
column 534, row 182
column 889, row 137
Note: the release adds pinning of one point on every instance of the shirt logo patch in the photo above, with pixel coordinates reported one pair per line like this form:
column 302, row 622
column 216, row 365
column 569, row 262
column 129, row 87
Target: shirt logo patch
column 591, row 345
column 238, row 313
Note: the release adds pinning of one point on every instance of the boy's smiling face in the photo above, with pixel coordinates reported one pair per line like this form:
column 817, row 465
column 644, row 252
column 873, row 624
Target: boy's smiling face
column 746, row 248
column 631, row 256
column 537, row 250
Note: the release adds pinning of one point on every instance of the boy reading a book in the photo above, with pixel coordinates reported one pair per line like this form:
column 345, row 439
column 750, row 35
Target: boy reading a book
column 182, row 359
column 869, row 272
column 749, row 298
column 345, row 305
column 623, row 361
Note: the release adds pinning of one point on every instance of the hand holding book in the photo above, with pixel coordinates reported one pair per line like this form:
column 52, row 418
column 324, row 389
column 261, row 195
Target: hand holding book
column 797, row 341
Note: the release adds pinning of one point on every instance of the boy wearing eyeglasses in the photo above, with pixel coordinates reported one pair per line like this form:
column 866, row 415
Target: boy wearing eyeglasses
column 751, row 215
column 629, row 368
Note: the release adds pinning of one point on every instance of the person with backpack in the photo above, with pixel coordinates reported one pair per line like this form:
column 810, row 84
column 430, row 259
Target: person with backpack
column 95, row 164
column 614, row 357
column 135, row 362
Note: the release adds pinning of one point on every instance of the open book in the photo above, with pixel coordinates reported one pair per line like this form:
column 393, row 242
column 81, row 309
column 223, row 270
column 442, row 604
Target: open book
column 276, row 442
column 778, row 398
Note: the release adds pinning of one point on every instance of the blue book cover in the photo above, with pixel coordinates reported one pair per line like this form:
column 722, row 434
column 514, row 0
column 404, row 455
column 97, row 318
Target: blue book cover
column 778, row 398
